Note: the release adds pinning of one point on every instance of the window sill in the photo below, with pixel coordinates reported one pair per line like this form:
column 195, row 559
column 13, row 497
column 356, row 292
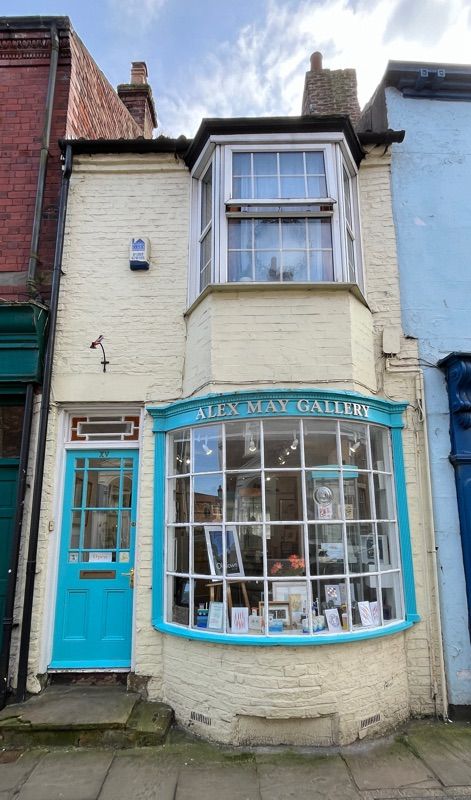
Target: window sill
column 296, row 640
column 321, row 286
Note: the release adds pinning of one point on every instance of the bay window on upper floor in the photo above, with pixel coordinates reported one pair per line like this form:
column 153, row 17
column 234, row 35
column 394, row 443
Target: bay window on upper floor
column 275, row 210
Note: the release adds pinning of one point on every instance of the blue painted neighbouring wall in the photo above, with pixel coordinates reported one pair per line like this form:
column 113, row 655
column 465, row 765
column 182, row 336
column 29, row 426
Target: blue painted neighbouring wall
column 431, row 185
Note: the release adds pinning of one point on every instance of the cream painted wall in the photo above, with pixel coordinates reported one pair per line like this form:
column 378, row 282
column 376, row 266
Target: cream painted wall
column 234, row 338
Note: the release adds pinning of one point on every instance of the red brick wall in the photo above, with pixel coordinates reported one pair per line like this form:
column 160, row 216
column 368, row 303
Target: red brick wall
column 95, row 110
column 85, row 105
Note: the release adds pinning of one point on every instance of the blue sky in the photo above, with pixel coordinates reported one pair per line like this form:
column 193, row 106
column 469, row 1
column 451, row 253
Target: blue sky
column 219, row 58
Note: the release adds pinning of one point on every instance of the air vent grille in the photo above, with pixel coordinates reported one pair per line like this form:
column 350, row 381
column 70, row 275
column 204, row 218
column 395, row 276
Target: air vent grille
column 195, row 716
column 365, row 723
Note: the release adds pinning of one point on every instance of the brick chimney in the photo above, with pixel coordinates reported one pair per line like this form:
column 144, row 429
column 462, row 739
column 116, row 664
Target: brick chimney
column 137, row 97
column 330, row 91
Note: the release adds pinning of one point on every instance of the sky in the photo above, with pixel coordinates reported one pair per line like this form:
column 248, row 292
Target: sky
column 222, row 58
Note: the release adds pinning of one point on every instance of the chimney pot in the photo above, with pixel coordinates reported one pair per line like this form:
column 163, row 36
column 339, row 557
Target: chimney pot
column 138, row 72
column 316, row 61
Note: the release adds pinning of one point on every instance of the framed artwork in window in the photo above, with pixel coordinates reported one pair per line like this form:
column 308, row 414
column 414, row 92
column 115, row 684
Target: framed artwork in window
column 214, row 543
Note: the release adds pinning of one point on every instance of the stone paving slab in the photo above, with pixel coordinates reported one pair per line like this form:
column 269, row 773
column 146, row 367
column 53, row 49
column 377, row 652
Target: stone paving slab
column 73, row 707
column 146, row 776
column 218, row 782
column 445, row 749
column 77, row 775
column 322, row 778
column 392, row 766
column 16, row 772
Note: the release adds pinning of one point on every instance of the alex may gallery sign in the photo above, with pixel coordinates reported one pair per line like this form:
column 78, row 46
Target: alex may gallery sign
column 247, row 408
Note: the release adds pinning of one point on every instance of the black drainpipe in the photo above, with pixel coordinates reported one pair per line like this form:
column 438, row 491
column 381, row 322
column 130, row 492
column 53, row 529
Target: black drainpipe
column 45, row 139
column 15, row 545
column 42, row 434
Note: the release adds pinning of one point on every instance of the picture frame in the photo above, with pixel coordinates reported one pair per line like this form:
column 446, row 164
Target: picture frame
column 333, row 620
column 295, row 594
column 239, row 619
column 214, row 535
column 279, row 610
column 215, row 616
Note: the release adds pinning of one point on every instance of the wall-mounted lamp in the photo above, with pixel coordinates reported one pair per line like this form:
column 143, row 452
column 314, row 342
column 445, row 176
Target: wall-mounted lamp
column 98, row 343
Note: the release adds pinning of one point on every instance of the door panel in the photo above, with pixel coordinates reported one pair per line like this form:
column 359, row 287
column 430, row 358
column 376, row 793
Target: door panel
column 8, row 489
column 95, row 583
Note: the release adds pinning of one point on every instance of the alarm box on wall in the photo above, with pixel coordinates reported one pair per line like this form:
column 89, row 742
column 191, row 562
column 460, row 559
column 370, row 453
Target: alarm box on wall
column 139, row 253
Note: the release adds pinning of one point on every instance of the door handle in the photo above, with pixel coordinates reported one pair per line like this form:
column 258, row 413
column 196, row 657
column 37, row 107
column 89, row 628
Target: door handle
column 130, row 575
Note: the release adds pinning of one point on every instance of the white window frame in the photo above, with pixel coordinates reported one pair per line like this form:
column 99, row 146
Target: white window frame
column 218, row 152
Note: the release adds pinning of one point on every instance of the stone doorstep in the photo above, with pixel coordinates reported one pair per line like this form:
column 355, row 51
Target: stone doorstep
column 85, row 717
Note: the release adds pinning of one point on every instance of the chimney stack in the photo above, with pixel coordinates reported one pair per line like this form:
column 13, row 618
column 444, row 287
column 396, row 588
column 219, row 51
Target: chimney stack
column 330, row 91
column 137, row 97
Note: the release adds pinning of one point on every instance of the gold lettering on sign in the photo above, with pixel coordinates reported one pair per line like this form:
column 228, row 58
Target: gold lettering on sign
column 304, row 406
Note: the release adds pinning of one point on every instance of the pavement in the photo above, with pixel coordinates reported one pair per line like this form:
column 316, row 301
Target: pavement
column 425, row 760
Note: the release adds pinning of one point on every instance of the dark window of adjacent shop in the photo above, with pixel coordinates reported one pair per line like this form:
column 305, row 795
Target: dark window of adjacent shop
column 11, row 426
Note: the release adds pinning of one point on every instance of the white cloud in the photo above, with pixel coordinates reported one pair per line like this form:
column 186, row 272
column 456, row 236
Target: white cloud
column 262, row 71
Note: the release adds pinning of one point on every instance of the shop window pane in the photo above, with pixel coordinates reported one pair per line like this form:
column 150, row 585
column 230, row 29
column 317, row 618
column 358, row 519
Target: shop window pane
column 179, row 444
column 329, row 606
column 285, row 550
column 244, row 600
column 380, row 454
column 383, row 496
column 178, row 549
column 388, row 545
column 102, row 489
column 108, row 463
column 75, row 530
column 243, row 445
column 207, row 448
column 125, row 530
column 322, row 496
column 207, row 498
column 320, row 443
column 244, row 497
column 251, row 548
column 179, row 500
column 283, row 498
column 356, row 494
column 178, row 600
column 126, row 499
column 201, row 565
column 361, row 547
column 281, row 444
column 354, row 445
column 11, row 426
column 326, row 549
column 293, row 594
column 391, row 597
column 101, row 530
column 204, row 592
column 364, row 598
column 78, row 489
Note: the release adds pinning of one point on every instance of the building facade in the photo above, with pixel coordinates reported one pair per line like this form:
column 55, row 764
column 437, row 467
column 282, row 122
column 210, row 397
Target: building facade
column 50, row 87
column 235, row 506
column 430, row 176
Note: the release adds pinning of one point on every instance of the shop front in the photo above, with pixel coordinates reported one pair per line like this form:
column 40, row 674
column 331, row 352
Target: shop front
column 281, row 520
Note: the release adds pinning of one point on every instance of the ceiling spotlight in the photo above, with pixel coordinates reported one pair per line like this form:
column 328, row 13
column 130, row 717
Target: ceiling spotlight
column 287, row 451
column 281, row 460
column 187, row 461
column 252, row 445
column 294, row 443
column 354, row 447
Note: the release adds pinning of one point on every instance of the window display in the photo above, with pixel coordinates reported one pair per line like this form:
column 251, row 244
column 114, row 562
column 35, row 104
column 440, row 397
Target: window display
column 281, row 527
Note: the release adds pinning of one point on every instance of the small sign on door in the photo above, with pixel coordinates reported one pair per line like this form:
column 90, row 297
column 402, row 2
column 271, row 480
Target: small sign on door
column 100, row 558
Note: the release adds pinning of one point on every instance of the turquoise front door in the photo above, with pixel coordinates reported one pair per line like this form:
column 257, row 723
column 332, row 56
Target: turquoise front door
column 8, row 484
column 94, row 604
